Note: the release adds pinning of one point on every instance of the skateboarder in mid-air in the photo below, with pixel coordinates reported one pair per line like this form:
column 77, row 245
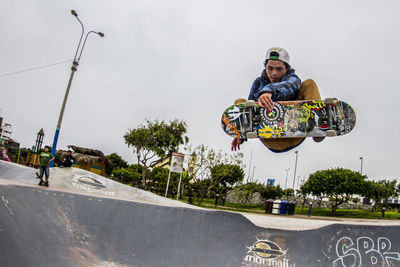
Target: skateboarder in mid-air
column 279, row 82
column 45, row 158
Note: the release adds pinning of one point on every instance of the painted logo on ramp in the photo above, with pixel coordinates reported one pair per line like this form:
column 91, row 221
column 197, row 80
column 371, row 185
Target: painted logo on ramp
column 266, row 253
column 89, row 182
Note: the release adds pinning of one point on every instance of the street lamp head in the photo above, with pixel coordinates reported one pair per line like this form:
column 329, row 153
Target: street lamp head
column 73, row 12
column 101, row 34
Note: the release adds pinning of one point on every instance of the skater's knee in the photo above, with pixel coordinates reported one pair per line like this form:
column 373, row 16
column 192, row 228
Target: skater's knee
column 308, row 91
column 309, row 83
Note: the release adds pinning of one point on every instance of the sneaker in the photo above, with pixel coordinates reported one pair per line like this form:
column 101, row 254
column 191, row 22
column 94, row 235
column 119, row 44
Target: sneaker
column 41, row 182
column 46, row 183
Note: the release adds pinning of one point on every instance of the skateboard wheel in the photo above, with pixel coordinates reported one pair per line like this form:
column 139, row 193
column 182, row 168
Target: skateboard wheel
column 250, row 103
column 330, row 101
column 331, row 133
column 251, row 135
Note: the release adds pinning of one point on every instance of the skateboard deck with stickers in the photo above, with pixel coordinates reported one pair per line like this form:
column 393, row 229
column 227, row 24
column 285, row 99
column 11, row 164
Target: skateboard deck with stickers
column 289, row 119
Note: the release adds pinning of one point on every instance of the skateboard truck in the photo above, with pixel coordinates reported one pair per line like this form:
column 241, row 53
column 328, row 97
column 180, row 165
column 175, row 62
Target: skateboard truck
column 252, row 134
column 330, row 102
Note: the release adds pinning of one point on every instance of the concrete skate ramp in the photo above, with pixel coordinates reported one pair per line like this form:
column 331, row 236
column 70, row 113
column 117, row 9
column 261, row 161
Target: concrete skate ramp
column 50, row 227
column 81, row 181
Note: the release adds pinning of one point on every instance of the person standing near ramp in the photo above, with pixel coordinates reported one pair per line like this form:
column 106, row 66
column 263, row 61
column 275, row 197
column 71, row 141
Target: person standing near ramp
column 45, row 158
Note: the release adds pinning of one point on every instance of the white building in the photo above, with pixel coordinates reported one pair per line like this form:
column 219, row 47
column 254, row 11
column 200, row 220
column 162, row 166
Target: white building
column 6, row 134
column 6, row 131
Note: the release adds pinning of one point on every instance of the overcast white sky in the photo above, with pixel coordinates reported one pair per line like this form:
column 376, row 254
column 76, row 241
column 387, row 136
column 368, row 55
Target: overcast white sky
column 189, row 60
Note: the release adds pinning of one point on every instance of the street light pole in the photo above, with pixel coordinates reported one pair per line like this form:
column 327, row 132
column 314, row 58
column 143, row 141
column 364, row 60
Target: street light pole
column 251, row 159
column 74, row 68
column 298, row 181
column 362, row 159
column 295, row 169
column 252, row 176
column 287, row 172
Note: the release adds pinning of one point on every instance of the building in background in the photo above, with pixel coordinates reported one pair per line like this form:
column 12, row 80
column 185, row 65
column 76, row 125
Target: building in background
column 6, row 134
column 6, row 131
column 165, row 163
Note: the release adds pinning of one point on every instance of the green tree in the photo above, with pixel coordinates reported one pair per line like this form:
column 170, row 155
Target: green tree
column 226, row 175
column 200, row 188
column 304, row 191
column 126, row 176
column 288, row 192
column 338, row 184
column 159, row 177
column 117, row 161
column 388, row 190
column 152, row 142
column 206, row 159
column 136, row 168
column 271, row 192
column 246, row 192
column 381, row 191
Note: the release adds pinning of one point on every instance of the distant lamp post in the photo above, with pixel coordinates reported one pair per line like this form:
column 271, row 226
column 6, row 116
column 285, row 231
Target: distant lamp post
column 74, row 68
column 298, row 181
column 361, row 168
column 295, row 169
column 287, row 172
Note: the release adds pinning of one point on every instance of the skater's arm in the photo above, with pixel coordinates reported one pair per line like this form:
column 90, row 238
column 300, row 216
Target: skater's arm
column 265, row 101
column 253, row 89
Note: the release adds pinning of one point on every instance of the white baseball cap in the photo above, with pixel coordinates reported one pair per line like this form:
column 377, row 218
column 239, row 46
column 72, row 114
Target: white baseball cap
column 277, row 53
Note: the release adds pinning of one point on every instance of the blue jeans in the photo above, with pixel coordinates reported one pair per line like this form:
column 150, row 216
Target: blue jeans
column 45, row 170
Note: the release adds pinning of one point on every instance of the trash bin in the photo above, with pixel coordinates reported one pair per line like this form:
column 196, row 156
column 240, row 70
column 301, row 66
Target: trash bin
column 283, row 208
column 276, row 207
column 268, row 205
column 291, row 207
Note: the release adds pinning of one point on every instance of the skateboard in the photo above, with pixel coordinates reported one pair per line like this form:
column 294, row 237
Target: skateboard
column 44, row 183
column 289, row 119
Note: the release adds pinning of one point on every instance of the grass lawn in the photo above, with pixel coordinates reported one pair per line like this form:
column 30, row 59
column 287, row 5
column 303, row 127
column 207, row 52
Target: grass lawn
column 350, row 213
column 340, row 213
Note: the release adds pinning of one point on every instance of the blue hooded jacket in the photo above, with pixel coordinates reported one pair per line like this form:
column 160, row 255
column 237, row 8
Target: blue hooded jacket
column 286, row 89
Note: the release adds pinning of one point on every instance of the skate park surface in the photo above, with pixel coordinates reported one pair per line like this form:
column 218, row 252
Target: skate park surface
column 83, row 219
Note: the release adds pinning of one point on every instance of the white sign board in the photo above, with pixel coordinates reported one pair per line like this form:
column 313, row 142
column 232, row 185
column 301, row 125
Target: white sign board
column 177, row 162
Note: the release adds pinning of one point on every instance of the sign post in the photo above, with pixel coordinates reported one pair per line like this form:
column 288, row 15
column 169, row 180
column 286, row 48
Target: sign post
column 176, row 166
